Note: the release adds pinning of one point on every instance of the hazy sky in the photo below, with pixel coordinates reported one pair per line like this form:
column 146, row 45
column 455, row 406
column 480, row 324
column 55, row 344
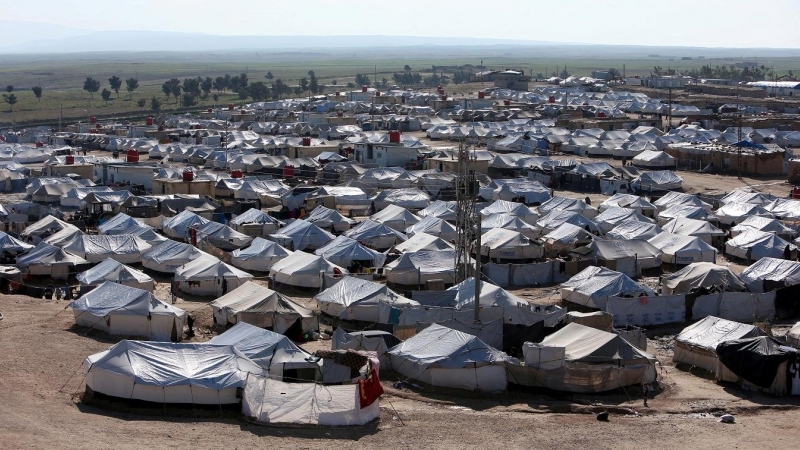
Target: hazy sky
column 701, row 23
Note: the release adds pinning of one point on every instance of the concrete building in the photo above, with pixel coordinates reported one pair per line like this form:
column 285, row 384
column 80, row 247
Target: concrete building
column 768, row 161
column 778, row 88
column 511, row 79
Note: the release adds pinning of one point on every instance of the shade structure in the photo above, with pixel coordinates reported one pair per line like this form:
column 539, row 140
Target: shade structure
column 363, row 300
column 346, row 252
column 209, row 277
column 701, row 275
column 114, row 271
column 304, row 270
column 262, row 307
column 259, row 256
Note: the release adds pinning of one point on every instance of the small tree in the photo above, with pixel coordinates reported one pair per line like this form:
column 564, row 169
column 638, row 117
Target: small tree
column 191, row 86
column 37, row 91
column 11, row 99
column 141, row 102
column 116, row 83
column 219, row 84
column 363, row 79
column 189, row 100
column 269, row 76
column 303, row 84
column 216, row 98
column 259, row 91
column 131, row 84
column 155, row 104
column 175, row 88
column 407, row 68
column 9, row 88
column 206, row 85
column 166, row 88
column 91, row 85
column 106, row 95
column 334, row 82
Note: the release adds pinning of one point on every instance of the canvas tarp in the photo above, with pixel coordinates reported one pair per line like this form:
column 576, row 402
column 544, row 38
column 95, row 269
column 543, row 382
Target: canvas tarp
column 356, row 299
column 170, row 255
column 647, row 311
column 210, row 277
column 697, row 344
column 259, row 256
column 736, row 306
column 771, row 270
column 522, row 275
column 301, row 235
column 679, row 249
column 416, row 268
column 260, row 306
column 698, row 275
column 344, row 251
column 303, row 270
column 593, row 285
column 754, row 245
column 124, row 248
column 112, row 270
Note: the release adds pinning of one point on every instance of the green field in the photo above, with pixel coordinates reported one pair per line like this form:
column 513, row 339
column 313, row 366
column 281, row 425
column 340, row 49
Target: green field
column 62, row 76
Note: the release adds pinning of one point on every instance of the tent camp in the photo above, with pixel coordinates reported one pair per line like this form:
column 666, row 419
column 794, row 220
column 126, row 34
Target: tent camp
column 362, row 300
column 375, row 235
column 163, row 372
column 633, row 229
column 760, row 363
column 329, row 219
column 395, row 217
column 701, row 275
column 346, row 252
column 697, row 344
column 94, row 248
column 434, row 226
column 259, row 256
column 503, row 245
column 303, row 270
column 253, row 217
column 511, row 222
column 260, row 306
column 417, row 268
column 177, row 227
column 441, row 356
column 611, row 217
column 630, row 201
column 114, row 271
column 659, row 180
column 736, row 212
column 170, row 255
column 753, row 245
column 768, row 273
column 679, row 249
column 123, row 310
column 697, row 228
column 209, row 277
column 371, row 340
column 582, row 359
column 515, row 209
column 222, row 236
column 11, row 247
column 49, row 260
column 565, row 238
column 301, row 235
column 592, row 287
column 44, row 228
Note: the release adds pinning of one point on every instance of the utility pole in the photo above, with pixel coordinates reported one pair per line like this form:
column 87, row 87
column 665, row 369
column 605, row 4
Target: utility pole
column 739, row 132
column 669, row 110
column 60, row 115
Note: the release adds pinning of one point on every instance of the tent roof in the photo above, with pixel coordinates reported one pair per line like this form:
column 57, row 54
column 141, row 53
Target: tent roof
column 702, row 274
column 263, row 347
column 112, row 270
column 447, row 348
column 592, row 346
column 351, row 291
column 115, row 298
column 711, row 331
column 252, row 297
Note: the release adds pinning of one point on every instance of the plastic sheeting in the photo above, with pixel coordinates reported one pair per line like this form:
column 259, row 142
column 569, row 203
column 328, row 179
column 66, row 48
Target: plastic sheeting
column 303, row 270
column 170, row 255
column 301, row 235
column 549, row 315
column 124, row 248
column 521, row 275
column 698, row 275
column 736, row 306
column 499, row 243
column 115, row 271
column 633, row 229
column 257, row 305
column 647, row 311
column 780, row 271
column 395, row 217
column 209, row 277
column 329, row 219
column 259, row 256
column 754, row 245
column 679, row 249
column 434, row 226
column 416, row 268
column 343, row 251
column 170, row 373
column 178, row 226
column 356, row 299
column 376, row 235
column 516, row 209
column 593, row 285
column 273, row 352
column 422, row 241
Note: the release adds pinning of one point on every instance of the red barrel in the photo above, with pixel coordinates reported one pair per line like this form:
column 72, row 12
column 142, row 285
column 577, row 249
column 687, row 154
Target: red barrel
column 133, row 156
column 394, row 137
column 230, row 106
column 92, row 119
column 288, row 171
column 364, row 88
column 306, row 142
column 148, row 121
column 552, row 99
column 481, row 94
column 188, row 175
column 39, row 144
column 70, row 160
column 507, row 102
column 236, row 173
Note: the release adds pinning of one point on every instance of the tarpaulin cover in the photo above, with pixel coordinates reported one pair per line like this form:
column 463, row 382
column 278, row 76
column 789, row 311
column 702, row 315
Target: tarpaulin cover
column 441, row 209
column 112, row 270
column 422, row 241
column 444, row 347
column 396, row 217
column 342, row 251
column 302, row 234
column 121, row 224
column 567, row 204
column 115, row 298
column 593, row 285
column 766, row 224
column 736, row 212
column 410, row 268
column 701, row 275
column 353, row 297
column 263, row 347
column 412, row 198
column 259, row 256
column 634, row 229
column 593, row 346
column 209, row 269
column 489, row 332
column 753, row 245
column 509, row 222
column 329, row 219
column 516, row 209
column 681, row 249
column 433, row 226
column 680, row 199
column 567, row 234
column 737, row 306
column 10, row 244
column 755, row 359
column 629, row 201
column 45, row 254
column 302, row 269
column 169, row 255
column 124, row 248
column 771, row 269
column 556, row 218
column 177, row 226
column 376, row 235
column 711, row 331
column 222, row 236
column 254, row 215
column 658, row 180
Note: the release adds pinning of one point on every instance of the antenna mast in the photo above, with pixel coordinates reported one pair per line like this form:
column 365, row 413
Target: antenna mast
column 468, row 223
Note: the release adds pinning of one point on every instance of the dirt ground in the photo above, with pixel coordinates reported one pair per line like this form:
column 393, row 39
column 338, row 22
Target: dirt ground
column 41, row 378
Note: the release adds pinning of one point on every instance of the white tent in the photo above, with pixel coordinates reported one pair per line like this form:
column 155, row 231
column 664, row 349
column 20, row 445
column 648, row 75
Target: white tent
column 48, row 260
column 396, row 217
column 434, row 226
column 177, row 227
column 633, row 229
column 490, row 296
column 222, row 236
column 303, row 270
column 124, row 248
column 301, row 235
column 356, row 299
column 255, row 217
column 441, row 356
column 421, row 241
column 629, row 201
column 565, row 238
column 376, row 235
column 371, row 340
column 684, row 212
column 170, row 255
column 64, row 237
column 733, row 213
column 772, row 272
column 679, row 249
column 691, row 227
column 501, row 244
column 556, row 218
column 209, row 277
column 440, row 209
column 523, row 191
column 744, row 196
column 344, row 252
column 697, row 344
column 329, row 219
column 123, row 310
column 659, row 180
column 567, row 204
column 115, row 271
column 260, row 306
column 259, row 256
column 613, row 216
column 162, row 372
column 511, row 222
column 45, row 227
column 593, row 285
column 753, row 245
column 9, row 246
column 653, row 159
column 411, row 198
column 765, row 224
column 516, row 209
column 627, row 256
column 417, row 268
column 582, row 359
column 793, row 336
column 121, row 224
column 680, row 199
column 702, row 274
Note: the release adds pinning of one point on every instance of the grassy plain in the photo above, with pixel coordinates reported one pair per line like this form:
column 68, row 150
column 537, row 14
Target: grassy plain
column 62, row 76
